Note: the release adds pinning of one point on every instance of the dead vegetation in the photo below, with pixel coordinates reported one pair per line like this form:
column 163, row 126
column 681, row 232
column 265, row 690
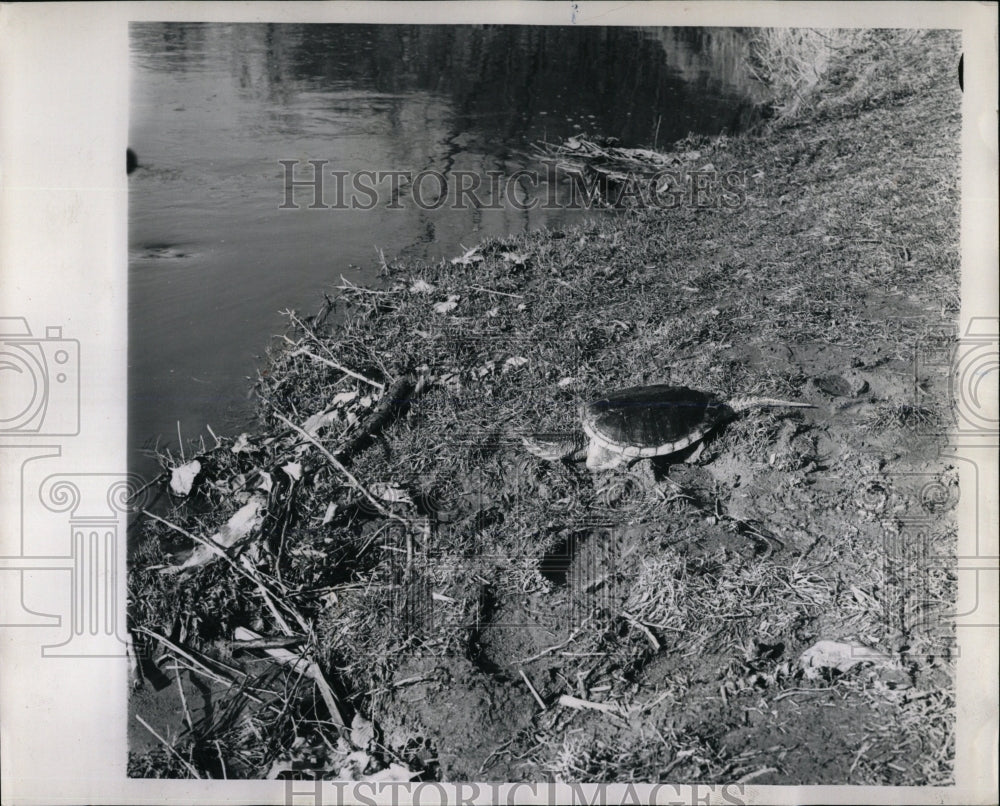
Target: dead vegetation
column 428, row 600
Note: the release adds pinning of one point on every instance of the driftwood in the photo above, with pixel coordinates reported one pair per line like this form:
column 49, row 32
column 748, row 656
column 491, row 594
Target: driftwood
column 395, row 401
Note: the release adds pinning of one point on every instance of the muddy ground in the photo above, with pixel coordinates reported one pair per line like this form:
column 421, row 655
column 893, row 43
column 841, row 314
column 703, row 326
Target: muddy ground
column 494, row 616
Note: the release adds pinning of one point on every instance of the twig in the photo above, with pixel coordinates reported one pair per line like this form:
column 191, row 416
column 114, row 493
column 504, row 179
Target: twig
column 322, row 345
column 162, row 476
column 756, row 774
column 654, row 702
column 180, row 442
column 575, row 702
column 493, row 291
column 545, row 652
column 282, row 624
column 347, row 285
column 499, row 749
column 218, row 442
column 169, row 747
column 245, row 569
column 205, row 541
column 184, row 704
column 181, row 663
column 407, row 681
column 345, row 472
column 222, row 761
column 857, row 756
column 789, row 692
column 177, row 649
column 320, row 318
column 286, row 517
column 271, row 598
column 308, row 667
column 331, row 363
column 268, row 642
column 531, row 688
column 645, row 630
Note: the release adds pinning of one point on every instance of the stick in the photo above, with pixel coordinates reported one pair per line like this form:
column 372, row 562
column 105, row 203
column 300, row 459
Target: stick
column 271, row 598
column 556, row 646
column 320, row 317
column 207, row 542
column 406, row 681
column 222, row 761
column 347, row 285
column 345, row 472
column 184, row 704
column 248, row 571
column 180, row 663
column 270, row 642
column 575, row 702
column 309, row 332
column 493, row 291
column 162, row 476
column 203, row 668
column 282, row 624
column 331, row 363
column 638, row 624
column 169, row 747
column 215, row 436
column 309, row 668
column 793, row 691
column 756, row 774
column 531, row 688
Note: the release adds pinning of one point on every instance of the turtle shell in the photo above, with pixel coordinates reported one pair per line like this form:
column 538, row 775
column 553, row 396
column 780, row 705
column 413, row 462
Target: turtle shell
column 653, row 420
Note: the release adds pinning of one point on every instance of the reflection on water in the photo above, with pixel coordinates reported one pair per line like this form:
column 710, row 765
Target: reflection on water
column 214, row 107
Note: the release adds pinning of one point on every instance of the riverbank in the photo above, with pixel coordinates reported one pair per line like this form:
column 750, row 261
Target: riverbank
column 478, row 614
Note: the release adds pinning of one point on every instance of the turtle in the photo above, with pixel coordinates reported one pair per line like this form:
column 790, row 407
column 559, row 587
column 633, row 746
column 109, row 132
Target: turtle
column 646, row 421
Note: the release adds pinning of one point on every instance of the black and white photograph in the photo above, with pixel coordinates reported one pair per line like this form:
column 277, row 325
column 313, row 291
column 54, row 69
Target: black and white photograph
column 520, row 401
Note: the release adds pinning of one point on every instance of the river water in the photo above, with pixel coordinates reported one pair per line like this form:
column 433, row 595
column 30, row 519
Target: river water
column 214, row 256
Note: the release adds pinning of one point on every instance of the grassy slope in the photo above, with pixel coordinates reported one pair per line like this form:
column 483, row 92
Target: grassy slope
column 663, row 597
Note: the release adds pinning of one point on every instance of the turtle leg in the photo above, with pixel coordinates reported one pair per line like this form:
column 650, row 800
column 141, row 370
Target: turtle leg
column 599, row 458
column 696, row 454
column 646, row 474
